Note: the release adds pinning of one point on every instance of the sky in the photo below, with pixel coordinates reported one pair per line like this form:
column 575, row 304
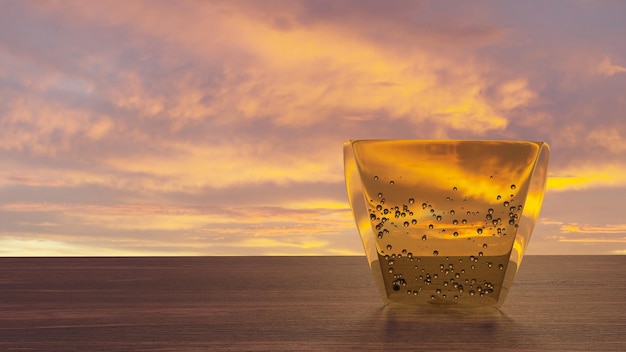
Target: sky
column 217, row 127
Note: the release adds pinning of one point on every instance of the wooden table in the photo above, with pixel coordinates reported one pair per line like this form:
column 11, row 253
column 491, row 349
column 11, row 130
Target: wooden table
column 574, row 303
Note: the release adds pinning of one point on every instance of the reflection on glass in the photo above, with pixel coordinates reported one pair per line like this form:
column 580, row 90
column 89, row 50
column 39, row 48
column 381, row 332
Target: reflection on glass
column 445, row 222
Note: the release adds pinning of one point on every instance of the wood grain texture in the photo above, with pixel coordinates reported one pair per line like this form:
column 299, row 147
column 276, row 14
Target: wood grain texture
column 573, row 303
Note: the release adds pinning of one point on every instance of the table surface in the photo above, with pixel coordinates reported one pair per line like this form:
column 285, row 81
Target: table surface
column 574, row 303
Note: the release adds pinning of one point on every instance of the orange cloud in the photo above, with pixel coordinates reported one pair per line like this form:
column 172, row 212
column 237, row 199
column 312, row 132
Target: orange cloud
column 587, row 176
column 297, row 76
column 311, row 72
column 515, row 93
column 198, row 230
column 607, row 68
column 41, row 244
column 546, row 221
column 593, row 240
column 230, row 164
column 601, row 229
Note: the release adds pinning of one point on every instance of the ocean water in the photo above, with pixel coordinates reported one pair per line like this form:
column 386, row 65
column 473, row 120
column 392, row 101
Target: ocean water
column 294, row 303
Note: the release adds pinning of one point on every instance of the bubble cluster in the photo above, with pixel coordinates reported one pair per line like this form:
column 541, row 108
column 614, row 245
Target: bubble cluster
column 413, row 234
column 441, row 282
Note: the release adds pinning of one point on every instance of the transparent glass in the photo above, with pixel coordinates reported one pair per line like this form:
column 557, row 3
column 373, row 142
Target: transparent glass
column 445, row 222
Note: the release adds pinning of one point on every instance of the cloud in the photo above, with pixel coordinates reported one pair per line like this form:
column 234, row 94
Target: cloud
column 202, row 124
column 149, row 229
column 141, row 115
column 308, row 75
column 228, row 164
column 515, row 93
column 36, row 244
column 587, row 176
column 562, row 237
column 607, row 68
column 593, row 240
column 547, row 221
column 608, row 138
column 594, row 229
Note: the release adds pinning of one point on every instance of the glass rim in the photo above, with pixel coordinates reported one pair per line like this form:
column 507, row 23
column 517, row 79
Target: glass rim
column 443, row 140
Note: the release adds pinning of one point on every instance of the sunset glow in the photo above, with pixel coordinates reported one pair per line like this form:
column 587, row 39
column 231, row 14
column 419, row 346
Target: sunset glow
column 216, row 128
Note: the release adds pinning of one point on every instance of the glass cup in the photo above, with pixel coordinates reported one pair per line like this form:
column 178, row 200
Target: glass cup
column 445, row 222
